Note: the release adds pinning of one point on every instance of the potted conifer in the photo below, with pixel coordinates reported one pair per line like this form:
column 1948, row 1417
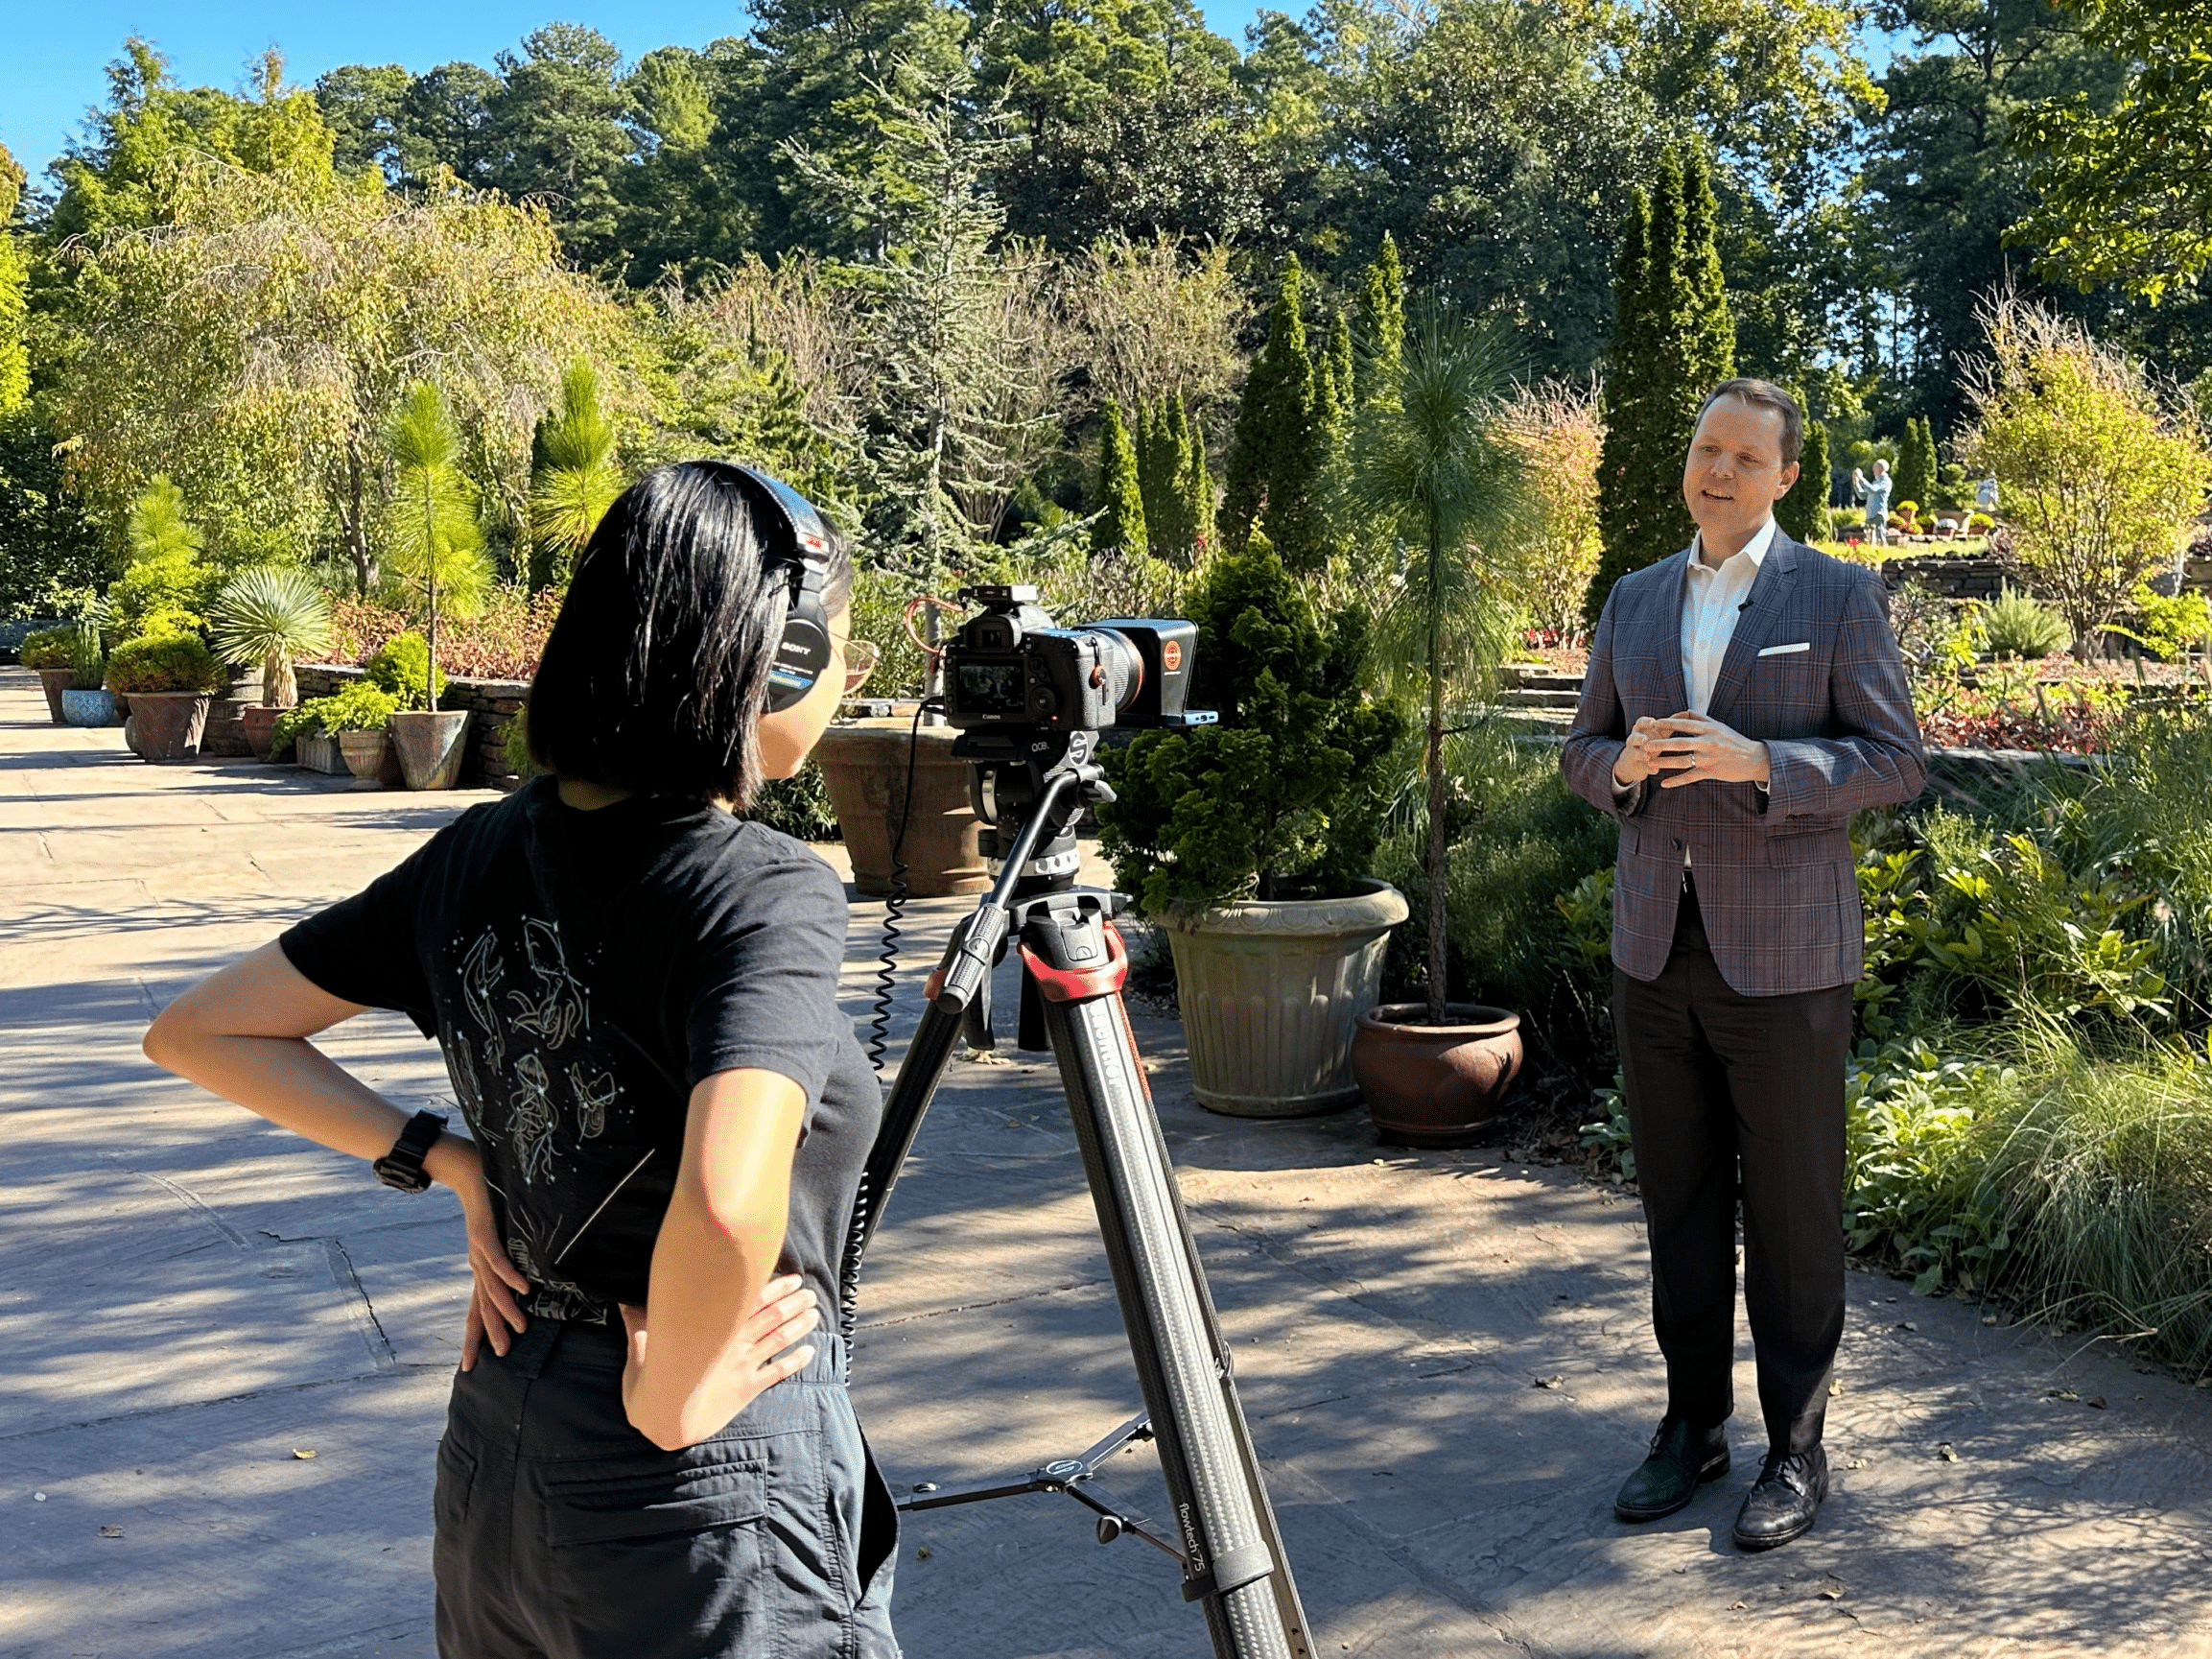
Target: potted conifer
column 436, row 548
column 1435, row 468
column 271, row 616
column 170, row 679
column 1249, row 842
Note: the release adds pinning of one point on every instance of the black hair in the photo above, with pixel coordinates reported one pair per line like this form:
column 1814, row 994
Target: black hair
column 1765, row 394
column 657, row 667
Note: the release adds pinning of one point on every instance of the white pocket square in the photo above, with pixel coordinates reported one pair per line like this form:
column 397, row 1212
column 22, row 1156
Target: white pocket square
column 1785, row 649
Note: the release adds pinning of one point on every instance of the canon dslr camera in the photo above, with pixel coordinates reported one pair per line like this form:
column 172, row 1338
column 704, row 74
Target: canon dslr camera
column 1011, row 667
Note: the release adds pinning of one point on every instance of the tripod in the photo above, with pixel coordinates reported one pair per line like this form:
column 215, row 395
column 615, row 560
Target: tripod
column 1073, row 966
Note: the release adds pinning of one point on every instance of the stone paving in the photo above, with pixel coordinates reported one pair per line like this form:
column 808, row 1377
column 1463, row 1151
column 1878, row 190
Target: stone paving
column 1444, row 1355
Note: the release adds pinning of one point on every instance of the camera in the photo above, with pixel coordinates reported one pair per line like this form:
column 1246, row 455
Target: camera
column 1010, row 667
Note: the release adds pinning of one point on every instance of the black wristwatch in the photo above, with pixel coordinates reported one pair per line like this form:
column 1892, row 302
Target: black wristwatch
column 402, row 1166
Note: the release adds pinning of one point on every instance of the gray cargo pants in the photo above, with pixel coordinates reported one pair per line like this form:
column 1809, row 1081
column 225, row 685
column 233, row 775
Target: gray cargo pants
column 564, row 1533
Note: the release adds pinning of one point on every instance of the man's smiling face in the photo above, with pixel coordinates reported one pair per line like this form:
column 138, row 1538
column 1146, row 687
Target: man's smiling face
column 1735, row 472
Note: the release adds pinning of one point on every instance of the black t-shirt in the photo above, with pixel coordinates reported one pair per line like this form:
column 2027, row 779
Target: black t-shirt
column 582, row 970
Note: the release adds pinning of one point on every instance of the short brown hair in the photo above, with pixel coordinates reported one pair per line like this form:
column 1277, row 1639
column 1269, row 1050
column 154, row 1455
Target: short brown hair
column 1765, row 394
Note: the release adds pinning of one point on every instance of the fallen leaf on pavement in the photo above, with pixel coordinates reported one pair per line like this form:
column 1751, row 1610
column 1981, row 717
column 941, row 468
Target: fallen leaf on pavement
column 1907, row 1325
column 2098, row 1401
column 111, row 1532
column 1946, row 1452
column 1832, row 1594
column 1550, row 1382
column 1735, row 1606
column 303, row 1453
column 2061, row 1395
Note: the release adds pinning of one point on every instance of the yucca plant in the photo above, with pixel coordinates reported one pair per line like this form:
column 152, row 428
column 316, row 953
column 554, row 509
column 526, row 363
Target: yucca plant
column 1434, row 466
column 436, row 543
column 272, row 615
column 2017, row 627
column 575, row 478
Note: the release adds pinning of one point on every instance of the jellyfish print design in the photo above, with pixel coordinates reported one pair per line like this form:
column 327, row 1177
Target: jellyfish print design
column 593, row 1096
column 551, row 1297
column 481, row 974
column 559, row 1011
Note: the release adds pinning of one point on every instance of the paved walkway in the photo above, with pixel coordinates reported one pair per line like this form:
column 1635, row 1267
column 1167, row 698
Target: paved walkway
column 1444, row 1353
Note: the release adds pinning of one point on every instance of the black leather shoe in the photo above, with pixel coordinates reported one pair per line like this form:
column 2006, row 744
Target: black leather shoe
column 1681, row 1459
column 1784, row 1501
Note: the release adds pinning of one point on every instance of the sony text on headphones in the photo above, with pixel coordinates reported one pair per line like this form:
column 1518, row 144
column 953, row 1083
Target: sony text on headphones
column 803, row 654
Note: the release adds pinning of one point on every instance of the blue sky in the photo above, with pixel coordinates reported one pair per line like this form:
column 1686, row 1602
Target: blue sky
column 58, row 48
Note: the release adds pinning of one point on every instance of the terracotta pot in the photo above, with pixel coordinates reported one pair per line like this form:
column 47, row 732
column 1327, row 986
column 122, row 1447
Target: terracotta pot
column 54, row 681
column 88, row 708
column 259, row 719
column 431, row 743
column 1271, row 993
column 169, row 724
column 865, row 765
column 365, row 753
column 1436, row 1085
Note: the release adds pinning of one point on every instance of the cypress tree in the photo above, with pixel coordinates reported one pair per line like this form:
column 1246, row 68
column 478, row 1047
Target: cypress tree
column 1803, row 512
column 1195, row 484
column 1169, row 522
column 1916, row 465
column 1121, row 531
column 1673, row 341
column 1154, row 468
column 1381, row 324
column 1276, row 461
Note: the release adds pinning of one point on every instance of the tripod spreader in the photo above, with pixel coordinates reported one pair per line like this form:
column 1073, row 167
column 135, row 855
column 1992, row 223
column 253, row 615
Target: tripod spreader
column 1076, row 1477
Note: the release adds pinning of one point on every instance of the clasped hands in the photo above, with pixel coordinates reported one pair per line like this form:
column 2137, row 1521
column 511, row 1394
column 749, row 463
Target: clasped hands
column 1685, row 748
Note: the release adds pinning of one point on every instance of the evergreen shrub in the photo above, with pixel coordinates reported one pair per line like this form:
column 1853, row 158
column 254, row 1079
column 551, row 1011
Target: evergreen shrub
column 2017, row 627
column 401, row 667
column 168, row 662
column 48, row 647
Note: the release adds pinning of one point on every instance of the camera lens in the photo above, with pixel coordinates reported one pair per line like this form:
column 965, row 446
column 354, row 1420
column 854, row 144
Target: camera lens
column 1120, row 670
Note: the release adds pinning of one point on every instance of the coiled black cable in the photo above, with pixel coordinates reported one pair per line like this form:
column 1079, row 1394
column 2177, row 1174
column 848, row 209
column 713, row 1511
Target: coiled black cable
column 878, row 1045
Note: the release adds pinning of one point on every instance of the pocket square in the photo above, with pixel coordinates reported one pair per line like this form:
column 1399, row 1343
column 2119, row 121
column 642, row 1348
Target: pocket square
column 1785, row 649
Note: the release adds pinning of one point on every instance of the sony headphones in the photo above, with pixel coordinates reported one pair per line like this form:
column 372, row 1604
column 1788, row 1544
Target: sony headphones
column 803, row 654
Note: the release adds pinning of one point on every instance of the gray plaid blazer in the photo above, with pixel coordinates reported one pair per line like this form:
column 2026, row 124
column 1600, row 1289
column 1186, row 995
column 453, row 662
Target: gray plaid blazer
column 1774, row 874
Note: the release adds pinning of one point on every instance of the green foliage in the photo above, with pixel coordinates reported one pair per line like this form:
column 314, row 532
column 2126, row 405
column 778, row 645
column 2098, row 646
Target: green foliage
column 14, row 277
column 2101, row 477
column 574, row 474
column 48, row 647
column 2169, row 625
column 50, row 554
column 514, row 745
column 1915, row 469
column 1914, row 1190
column 436, row 546
column 798, row 806
column 1803, row 513
column 1279, row 457
column 1379, row 348
column 1438, row 468
column 1672, row 343
column 1121, row 526
column 1285, row 797
column 165, row 662
column 166, row 588
column 2015, row 625
column 274, row 616
column 401, row 667
column 1178, row 494
column 2122, row 194
column 362, row 707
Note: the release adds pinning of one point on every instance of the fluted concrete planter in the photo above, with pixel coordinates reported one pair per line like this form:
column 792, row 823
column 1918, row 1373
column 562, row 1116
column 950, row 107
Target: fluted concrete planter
column 169, row 724
column 365, row 753
column 864, row 764
column 431, row 744
column 54, row 681
column 1271, row 994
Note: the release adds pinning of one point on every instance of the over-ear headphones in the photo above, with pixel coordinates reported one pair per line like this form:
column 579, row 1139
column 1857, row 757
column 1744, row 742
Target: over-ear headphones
column 803, row 654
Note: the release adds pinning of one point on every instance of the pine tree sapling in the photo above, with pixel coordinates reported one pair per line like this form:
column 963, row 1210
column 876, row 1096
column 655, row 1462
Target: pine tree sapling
column 272, row 616
column 436, row 546
column 165, row 589
column 1122, row 524
column 574, row 475
column 1440, row 463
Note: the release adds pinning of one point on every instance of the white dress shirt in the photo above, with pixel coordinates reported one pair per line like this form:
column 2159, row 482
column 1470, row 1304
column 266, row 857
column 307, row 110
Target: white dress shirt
column 1712, row 599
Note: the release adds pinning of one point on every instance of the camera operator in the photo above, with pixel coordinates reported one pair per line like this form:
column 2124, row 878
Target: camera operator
column 635, row 989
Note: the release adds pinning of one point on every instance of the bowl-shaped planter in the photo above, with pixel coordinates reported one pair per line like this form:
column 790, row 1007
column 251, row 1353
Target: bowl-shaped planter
column 1271, row 992
column 432, row 745
column 259, row 719
column 866, row 766
column 1436, row 1085
column 365, row 753
column 54, row 681
column 88, row 708
column 169, row 724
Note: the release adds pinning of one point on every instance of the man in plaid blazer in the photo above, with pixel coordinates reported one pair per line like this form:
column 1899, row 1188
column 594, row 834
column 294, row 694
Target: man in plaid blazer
column 1744, row 697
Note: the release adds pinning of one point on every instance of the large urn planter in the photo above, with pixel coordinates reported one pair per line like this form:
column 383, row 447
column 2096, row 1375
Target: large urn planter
column 1436, row 1085
column 1271, row 992
column 54, row 681
column 259, row 719
column 88, row 708
column 431, row 743
column 866, row 766
column 365, row 753
column 168, row 723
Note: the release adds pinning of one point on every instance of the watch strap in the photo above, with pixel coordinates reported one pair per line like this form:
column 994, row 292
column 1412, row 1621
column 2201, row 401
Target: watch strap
column 402, row 1166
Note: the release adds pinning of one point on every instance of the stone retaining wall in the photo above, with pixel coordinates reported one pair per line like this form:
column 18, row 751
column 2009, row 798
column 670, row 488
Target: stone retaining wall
column 493, row 705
